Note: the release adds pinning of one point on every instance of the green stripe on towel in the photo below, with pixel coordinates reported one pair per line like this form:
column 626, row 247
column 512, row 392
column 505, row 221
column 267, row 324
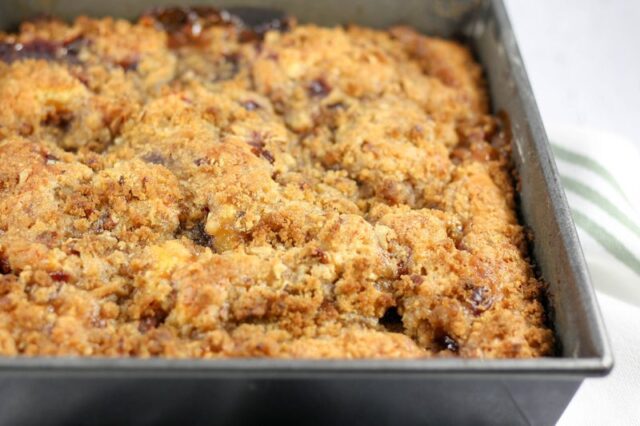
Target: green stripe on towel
column 588, row 163
column 608, row 241
column 597, row 199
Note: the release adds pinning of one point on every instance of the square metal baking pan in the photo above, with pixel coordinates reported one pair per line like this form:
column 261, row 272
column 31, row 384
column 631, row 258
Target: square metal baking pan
column 239, row 391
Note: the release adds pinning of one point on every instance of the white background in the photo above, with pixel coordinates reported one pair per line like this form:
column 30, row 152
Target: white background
column 583, row 59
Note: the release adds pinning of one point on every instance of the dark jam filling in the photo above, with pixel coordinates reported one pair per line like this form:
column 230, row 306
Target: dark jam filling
column 392, row 321
column 63, row 51
column 194, row 19
column 185, row 24
column 42, row 49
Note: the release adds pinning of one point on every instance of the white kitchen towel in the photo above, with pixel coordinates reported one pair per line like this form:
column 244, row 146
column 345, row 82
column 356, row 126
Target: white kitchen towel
column 601, row 176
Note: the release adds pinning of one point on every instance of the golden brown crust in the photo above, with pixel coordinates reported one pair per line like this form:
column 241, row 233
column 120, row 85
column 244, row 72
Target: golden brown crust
column 318, row 193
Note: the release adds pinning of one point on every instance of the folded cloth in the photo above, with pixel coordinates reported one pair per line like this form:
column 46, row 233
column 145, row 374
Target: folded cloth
column 601, row 175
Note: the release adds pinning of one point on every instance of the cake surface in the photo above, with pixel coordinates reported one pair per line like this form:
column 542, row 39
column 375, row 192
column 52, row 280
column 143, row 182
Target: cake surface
column 185, row 186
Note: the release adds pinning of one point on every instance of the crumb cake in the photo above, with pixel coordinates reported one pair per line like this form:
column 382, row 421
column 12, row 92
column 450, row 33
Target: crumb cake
column 189, row 186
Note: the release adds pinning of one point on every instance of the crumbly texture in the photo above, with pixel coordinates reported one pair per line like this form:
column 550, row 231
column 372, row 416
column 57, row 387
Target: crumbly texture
column 182, row 187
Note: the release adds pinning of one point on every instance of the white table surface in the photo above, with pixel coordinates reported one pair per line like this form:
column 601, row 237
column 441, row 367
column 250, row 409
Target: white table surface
column 583, row 60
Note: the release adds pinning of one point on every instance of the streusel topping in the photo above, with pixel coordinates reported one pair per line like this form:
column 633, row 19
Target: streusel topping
column 186, row 187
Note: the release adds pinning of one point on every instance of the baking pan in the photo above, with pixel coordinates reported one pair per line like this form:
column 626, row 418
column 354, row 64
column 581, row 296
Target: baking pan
column 429, row 391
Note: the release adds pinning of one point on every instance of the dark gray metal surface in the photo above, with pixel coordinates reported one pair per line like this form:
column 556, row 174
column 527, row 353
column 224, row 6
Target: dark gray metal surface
column 388, row 391
column 299, row 402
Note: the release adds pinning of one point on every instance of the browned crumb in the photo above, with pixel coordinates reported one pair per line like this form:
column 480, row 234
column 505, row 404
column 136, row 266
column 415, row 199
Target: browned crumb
column 180, row 187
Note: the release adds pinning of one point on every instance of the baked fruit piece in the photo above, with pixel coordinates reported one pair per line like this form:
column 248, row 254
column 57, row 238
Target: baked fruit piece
column 188, row 186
